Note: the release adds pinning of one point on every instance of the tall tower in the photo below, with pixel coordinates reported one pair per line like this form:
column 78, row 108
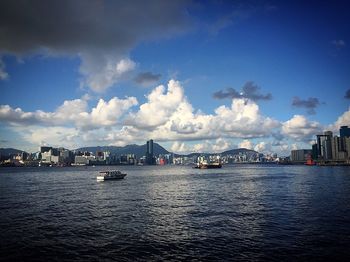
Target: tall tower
column 344, row 131
column 149, row 153
column 150, row 147
column 324, row 145
column 328, row 145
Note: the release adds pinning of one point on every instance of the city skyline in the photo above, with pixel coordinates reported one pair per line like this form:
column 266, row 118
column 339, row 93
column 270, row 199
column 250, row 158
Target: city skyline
column 193, row 76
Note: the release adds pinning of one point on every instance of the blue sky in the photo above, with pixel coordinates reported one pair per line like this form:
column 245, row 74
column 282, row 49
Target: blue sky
column 65, row 63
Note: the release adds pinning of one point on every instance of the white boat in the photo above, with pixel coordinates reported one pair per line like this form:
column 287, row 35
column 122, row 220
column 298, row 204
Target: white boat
column 110, row 175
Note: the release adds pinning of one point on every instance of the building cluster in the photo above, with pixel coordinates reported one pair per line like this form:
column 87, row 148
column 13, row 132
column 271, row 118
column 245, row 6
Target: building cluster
column 241, row 157
column 327, row 149
column 51, row 156
column 248, row 157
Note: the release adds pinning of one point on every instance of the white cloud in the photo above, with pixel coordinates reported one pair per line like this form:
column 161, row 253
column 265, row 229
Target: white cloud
column 261, row 147
column 246, row 144
column 167, row 115
column 244, row 120
column 343, row 120
column 221, row 145
column 180, row 147
column 108, row 113
column 300, row 128
column 54, row 136
column 102, row 73
column 294, row 146
column 72, row 112
column 161, row 104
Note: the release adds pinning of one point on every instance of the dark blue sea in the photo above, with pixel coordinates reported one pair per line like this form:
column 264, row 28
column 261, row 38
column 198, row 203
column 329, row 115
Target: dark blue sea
column 176, row 213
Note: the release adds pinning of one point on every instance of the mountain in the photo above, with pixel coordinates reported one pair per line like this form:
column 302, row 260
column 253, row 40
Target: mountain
column 9, row 151
column 237, row 151
column 139, row 151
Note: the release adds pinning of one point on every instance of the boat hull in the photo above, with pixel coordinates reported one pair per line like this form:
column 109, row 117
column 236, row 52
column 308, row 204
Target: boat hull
column 209, row 166
column 110, row 175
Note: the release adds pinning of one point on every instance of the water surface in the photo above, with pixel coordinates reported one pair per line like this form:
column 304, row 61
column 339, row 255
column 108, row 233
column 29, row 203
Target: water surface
column 240, row 212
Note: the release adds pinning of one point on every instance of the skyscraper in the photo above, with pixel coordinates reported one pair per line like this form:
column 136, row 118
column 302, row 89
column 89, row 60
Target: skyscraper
column 324, row 145
column 149, row 153
column 344, row 131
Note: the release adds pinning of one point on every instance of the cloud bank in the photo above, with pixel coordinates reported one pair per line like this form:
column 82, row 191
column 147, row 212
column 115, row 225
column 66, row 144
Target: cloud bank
column 167, row 115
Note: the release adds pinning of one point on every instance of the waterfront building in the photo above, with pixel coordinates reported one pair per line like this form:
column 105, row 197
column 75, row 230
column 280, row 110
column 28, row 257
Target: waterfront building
column 314, row 151
column 44, row 149
column 84, row 160
column 335, row 147
column 324, row 146
column 300, row 155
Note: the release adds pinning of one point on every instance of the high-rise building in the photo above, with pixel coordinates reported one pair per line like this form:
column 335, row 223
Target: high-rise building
column 300, row 155
column 347, row 146
column 336, row 148
column 324, row 145
column 150, row 160
column 344, row 131
column 44, row 149
column 314, row 151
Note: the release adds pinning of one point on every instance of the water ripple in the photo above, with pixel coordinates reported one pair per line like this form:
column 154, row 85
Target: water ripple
column 241, row 213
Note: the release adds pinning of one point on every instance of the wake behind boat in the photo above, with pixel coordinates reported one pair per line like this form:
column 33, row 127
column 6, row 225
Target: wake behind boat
column 110, row 175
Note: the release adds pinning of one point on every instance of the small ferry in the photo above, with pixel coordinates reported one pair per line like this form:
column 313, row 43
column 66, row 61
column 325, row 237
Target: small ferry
column 206, row 165
column 110, row 175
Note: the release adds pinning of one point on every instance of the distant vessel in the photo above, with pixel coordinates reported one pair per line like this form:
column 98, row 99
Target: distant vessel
column 204, row 163
column 208, row 166
column 110, row 175
column 310, row 161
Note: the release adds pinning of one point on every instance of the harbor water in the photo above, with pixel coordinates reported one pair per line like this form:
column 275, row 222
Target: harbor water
column 176, row 213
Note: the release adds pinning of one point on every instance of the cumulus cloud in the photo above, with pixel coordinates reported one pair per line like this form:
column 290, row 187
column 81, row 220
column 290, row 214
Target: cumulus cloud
column 221, row 145
column 147, row 79
column 217, row 146
column 103, row 72
column 161, row 104
column 180, row 147
column 166, row 115
column 310, row 104
column 249, row 91
column 67, row 137
column 300, row 128
column 262, row 147
column 343, row 120
column 246, row 144
column 243, row 119
column 101, row 33
column 347, row 94
column 106, row 113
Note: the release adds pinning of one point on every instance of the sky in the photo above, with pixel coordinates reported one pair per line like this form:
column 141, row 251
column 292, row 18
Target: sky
column 194, row 76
